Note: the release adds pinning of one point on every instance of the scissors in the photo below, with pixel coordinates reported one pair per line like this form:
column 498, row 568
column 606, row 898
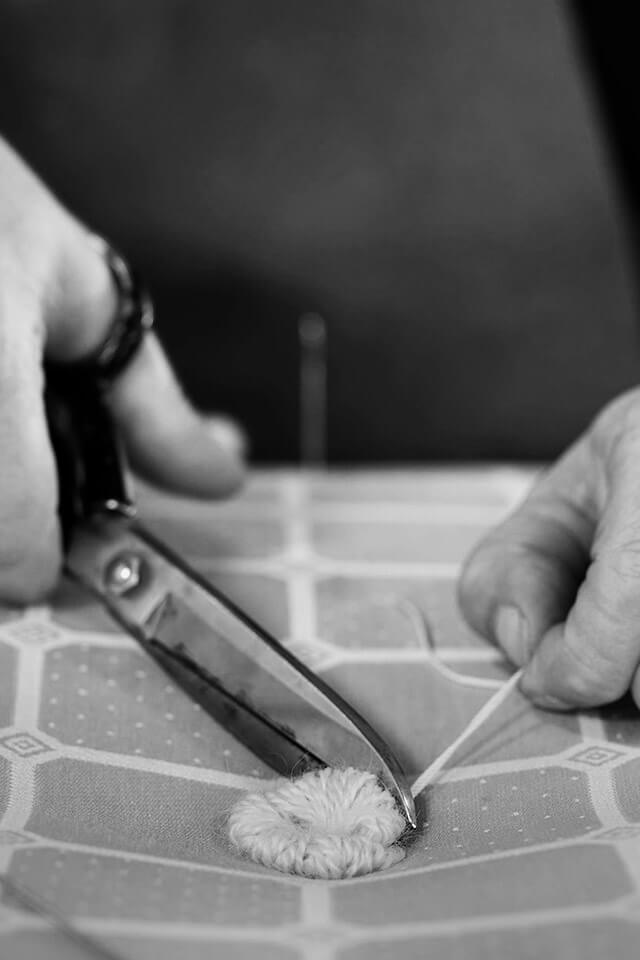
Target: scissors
column 235, row 669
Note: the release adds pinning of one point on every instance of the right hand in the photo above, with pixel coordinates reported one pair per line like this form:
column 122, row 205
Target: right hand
column 557, row 584
column 57, row 299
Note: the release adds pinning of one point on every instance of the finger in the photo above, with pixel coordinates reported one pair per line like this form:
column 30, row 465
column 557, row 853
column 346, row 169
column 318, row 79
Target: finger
column 168, row 442
column 523, row 576
column 229, row 435
column 29, row 535
column 592, row 658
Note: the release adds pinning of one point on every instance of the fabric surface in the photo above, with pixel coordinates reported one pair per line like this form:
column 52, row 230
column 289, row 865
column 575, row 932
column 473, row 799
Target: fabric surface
column 115, row 788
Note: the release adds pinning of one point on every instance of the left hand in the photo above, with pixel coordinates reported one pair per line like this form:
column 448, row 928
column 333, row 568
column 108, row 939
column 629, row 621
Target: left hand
column 557, row 585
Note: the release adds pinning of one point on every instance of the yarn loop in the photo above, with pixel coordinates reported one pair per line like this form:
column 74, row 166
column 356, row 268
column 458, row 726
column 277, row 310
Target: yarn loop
column 327, row 824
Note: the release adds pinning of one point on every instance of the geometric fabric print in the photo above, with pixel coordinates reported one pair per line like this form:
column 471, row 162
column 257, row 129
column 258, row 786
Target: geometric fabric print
column 595, row 756
column 415, row 709
column 520, row 730
column 445, row 487
column 419, row 711
column 121, row 701
column 23, row 745
column 10, row 838
column 220, row 537
column 48, row 944
column 263, row 598
column 73, row 607
column 619, row 834
column 122, row 787
column 581, row 940
column 5, row 784
column 211, row 947
column 620, row 721
column 33, row 632
column 262, row 489
column 498, row 669
column 134, row 811
column 626, row 780
column 8, row 659
column 372, row 620
column 7, row 614
column 346, row 605
column 507, row 811
column 420, row 542
column 45, row 944
column 573, row 876
column 109, row 887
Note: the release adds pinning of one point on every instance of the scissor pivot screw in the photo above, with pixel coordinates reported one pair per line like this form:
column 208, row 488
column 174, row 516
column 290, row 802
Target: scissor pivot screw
column 123, row 573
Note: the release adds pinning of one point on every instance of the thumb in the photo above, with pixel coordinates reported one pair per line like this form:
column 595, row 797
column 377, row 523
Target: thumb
column 522, row 578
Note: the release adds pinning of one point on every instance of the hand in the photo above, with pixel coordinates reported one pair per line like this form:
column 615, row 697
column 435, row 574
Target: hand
column 57, row 298
column 557, row 585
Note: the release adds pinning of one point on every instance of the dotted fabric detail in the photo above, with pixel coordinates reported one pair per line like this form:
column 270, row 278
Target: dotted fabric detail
column 327, row 824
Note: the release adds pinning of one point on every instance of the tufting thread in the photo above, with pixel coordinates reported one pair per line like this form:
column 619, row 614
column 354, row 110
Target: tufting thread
column 431, row 773
column 332, row 824
column 328, row 824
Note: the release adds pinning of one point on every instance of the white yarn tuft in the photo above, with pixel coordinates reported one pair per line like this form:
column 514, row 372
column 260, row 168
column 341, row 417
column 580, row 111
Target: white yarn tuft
column 328, row 824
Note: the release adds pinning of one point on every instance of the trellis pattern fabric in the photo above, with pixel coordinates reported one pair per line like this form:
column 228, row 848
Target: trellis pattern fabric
column 115, row 788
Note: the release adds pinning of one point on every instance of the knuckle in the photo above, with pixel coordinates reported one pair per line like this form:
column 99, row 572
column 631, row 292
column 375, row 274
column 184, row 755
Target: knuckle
column 595, row 671
column 584, row 682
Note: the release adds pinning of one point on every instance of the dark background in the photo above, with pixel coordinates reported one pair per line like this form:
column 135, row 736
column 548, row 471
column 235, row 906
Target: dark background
column 451, row 183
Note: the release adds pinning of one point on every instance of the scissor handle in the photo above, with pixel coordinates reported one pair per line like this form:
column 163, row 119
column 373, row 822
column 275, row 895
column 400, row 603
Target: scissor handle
column 92, row 472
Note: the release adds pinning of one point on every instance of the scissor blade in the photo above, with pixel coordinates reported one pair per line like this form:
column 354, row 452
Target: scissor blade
column 241, row 674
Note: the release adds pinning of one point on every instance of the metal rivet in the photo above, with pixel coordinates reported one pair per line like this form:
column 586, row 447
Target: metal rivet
column 123, row 573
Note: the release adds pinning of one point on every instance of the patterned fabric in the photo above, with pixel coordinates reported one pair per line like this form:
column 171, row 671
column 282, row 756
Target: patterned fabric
column 115, row 788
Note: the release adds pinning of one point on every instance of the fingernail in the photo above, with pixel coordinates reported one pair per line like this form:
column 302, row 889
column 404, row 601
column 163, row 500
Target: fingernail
column 510, row 629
